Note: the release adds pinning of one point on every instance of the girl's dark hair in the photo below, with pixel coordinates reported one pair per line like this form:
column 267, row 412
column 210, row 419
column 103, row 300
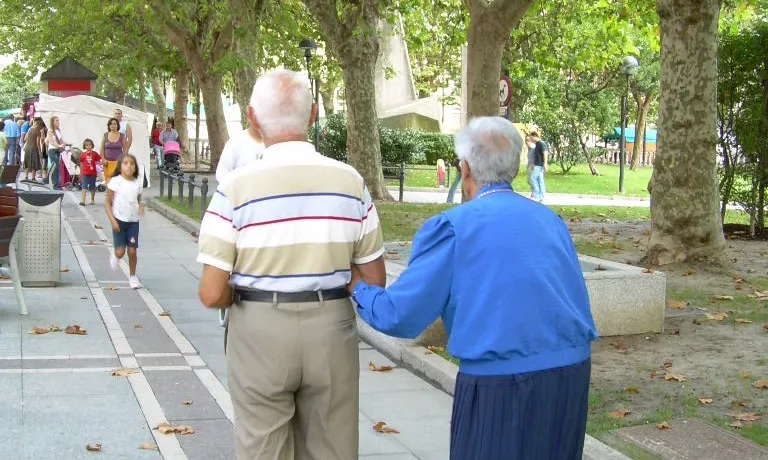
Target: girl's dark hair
column 2, row 125
column 87, row 141
column 120, row 165
column 109, row 122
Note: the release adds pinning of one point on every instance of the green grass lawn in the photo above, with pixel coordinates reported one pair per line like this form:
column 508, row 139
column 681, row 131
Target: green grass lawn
column 399, row 221
column 577, row 181
column 193, row 212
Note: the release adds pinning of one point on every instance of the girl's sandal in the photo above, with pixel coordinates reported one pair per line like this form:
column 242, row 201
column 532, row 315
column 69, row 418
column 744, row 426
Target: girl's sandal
column 82, row 203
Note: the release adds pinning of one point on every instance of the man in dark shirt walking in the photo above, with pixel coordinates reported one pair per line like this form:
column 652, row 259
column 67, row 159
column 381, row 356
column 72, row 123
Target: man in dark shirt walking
column 540, row 154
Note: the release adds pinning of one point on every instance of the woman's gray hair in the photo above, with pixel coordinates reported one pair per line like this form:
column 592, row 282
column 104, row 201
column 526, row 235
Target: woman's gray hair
column 492, row 147
column 282, row 103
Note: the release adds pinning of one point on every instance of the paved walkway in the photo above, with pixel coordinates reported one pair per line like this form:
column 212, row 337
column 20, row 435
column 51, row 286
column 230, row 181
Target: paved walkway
column 57, row 393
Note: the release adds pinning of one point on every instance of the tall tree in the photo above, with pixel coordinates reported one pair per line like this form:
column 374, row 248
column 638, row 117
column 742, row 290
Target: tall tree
column 490, row 23
column 685, row 217
column 203, row 32
column 351, row 30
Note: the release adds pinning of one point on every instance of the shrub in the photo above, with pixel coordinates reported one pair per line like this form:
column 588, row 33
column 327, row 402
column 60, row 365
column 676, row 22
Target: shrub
column 397, row 145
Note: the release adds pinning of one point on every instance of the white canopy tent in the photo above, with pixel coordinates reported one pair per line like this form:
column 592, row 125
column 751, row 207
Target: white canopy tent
column 83, row 117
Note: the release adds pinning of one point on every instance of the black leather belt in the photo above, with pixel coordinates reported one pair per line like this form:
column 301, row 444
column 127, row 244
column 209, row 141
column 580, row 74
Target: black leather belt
column 255, row 295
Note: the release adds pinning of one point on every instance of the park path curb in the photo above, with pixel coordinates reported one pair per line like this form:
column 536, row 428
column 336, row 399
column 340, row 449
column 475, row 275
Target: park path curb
column 429, row 366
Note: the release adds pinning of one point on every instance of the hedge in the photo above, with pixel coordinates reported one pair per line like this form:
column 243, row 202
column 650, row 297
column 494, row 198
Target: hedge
column 408, row 145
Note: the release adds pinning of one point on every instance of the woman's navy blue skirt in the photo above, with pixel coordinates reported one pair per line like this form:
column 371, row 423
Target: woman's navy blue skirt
column 533, row 416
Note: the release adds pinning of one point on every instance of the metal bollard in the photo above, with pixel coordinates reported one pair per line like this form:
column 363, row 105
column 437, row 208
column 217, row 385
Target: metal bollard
column 162, row 182
column 191, row 197
column 402, row 180
column 203, row 197
column 181, row 188
column 170, row 186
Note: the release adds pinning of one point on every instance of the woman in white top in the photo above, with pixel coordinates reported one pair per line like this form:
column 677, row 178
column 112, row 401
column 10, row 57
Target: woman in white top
column 55, row 146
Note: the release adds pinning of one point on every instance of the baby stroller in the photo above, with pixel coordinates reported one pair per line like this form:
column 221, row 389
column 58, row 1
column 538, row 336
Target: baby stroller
column 101, row 185
column 171, row 156
column 69, row 168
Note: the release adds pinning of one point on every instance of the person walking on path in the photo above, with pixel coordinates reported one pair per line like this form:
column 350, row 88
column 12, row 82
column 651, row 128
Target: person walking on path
column 456, row 182
column 522, row 335
column 289, row 228
column 242, row 149
column 124, row 208
column 88, row 172
column 124, row 127
column 32, row 150
column 529, row 165
column 12, row 133
column 540, row 158
column 157, row 146
column 55, row 146
column 3, row 139
column 169, row 134
column 113, row 146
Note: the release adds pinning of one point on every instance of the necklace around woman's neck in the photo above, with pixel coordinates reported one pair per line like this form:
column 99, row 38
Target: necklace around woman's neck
column 491, row 192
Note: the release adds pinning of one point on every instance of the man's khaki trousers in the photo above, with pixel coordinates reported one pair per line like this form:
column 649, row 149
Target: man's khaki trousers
column 294, row 379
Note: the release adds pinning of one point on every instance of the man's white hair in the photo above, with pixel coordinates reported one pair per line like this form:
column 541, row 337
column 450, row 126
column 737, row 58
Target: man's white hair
column 282, row 103
column 492, row 147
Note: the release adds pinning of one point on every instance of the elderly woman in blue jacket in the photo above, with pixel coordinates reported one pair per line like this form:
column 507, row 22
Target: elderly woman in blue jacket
column 502, row 272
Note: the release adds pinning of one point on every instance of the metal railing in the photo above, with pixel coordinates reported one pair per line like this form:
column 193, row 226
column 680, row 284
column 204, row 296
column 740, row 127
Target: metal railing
column 396, row 172
column 171, row 177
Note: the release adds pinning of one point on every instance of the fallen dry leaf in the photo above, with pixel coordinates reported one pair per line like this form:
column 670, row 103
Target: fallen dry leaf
column 164, row 313
column 632, row 390
column 64, row 269
column 187, row 402
column 113, row 288
column 663, row 426
column 745, row 375
column 652, row 373
column 743, row 416
column 689, row 273
column 762, row 383
column 98, row 227
column 647, row 270
column 676, row 377
column 676, row 332
column 381, row 427
column 165, row 428
column 743, row 321
column 600, row 268
column 137, row 326
column 84, row 298
column 705, row 400
column 93, row 447
column 736, row 424
column 147, row 446
column 620, row 413
column 376, row 368
column 75, row 330
column 677, row 304
column 44, row 330
column 123, row 372
column 722, row 297
column 667, row 364
column 717, row 316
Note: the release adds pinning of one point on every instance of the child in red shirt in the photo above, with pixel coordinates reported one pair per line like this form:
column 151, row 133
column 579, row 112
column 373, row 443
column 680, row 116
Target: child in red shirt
column 88, row 160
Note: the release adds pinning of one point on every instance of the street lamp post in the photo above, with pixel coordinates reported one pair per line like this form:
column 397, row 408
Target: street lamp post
column 309, row 47
column 628, row 68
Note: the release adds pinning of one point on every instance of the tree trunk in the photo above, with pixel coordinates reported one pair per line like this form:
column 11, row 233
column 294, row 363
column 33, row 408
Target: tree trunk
column 159, row 95
column 489, row 27
column 357, row 68
column 216, row 124
column 685, row 217
column 244, row 78
column 181, row 98
column 329, row 99
column 643, row 104
column 142, row 82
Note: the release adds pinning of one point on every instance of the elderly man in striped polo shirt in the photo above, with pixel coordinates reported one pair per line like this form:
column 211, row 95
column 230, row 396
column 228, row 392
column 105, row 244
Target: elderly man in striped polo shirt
column 278, row 243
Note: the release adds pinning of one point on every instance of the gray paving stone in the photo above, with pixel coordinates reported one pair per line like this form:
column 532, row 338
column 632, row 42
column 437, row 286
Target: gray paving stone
column 10, row 364
column 70, row 363
column 203, row 329
column 128, row 318
column 162, row 361
column 406, row 405
column 424, row 435
column 373, row 443
column 70, row 422
column 444, row 455
column 390, row 457
column 10, row 416
column 74, row 384
column 213, row 440
column 190, row 311
column 172, row 388
column 150, row 340
column 394, row 380
column 693, row 440
column 209, row 345
column 10, row 341
column 126, row 298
